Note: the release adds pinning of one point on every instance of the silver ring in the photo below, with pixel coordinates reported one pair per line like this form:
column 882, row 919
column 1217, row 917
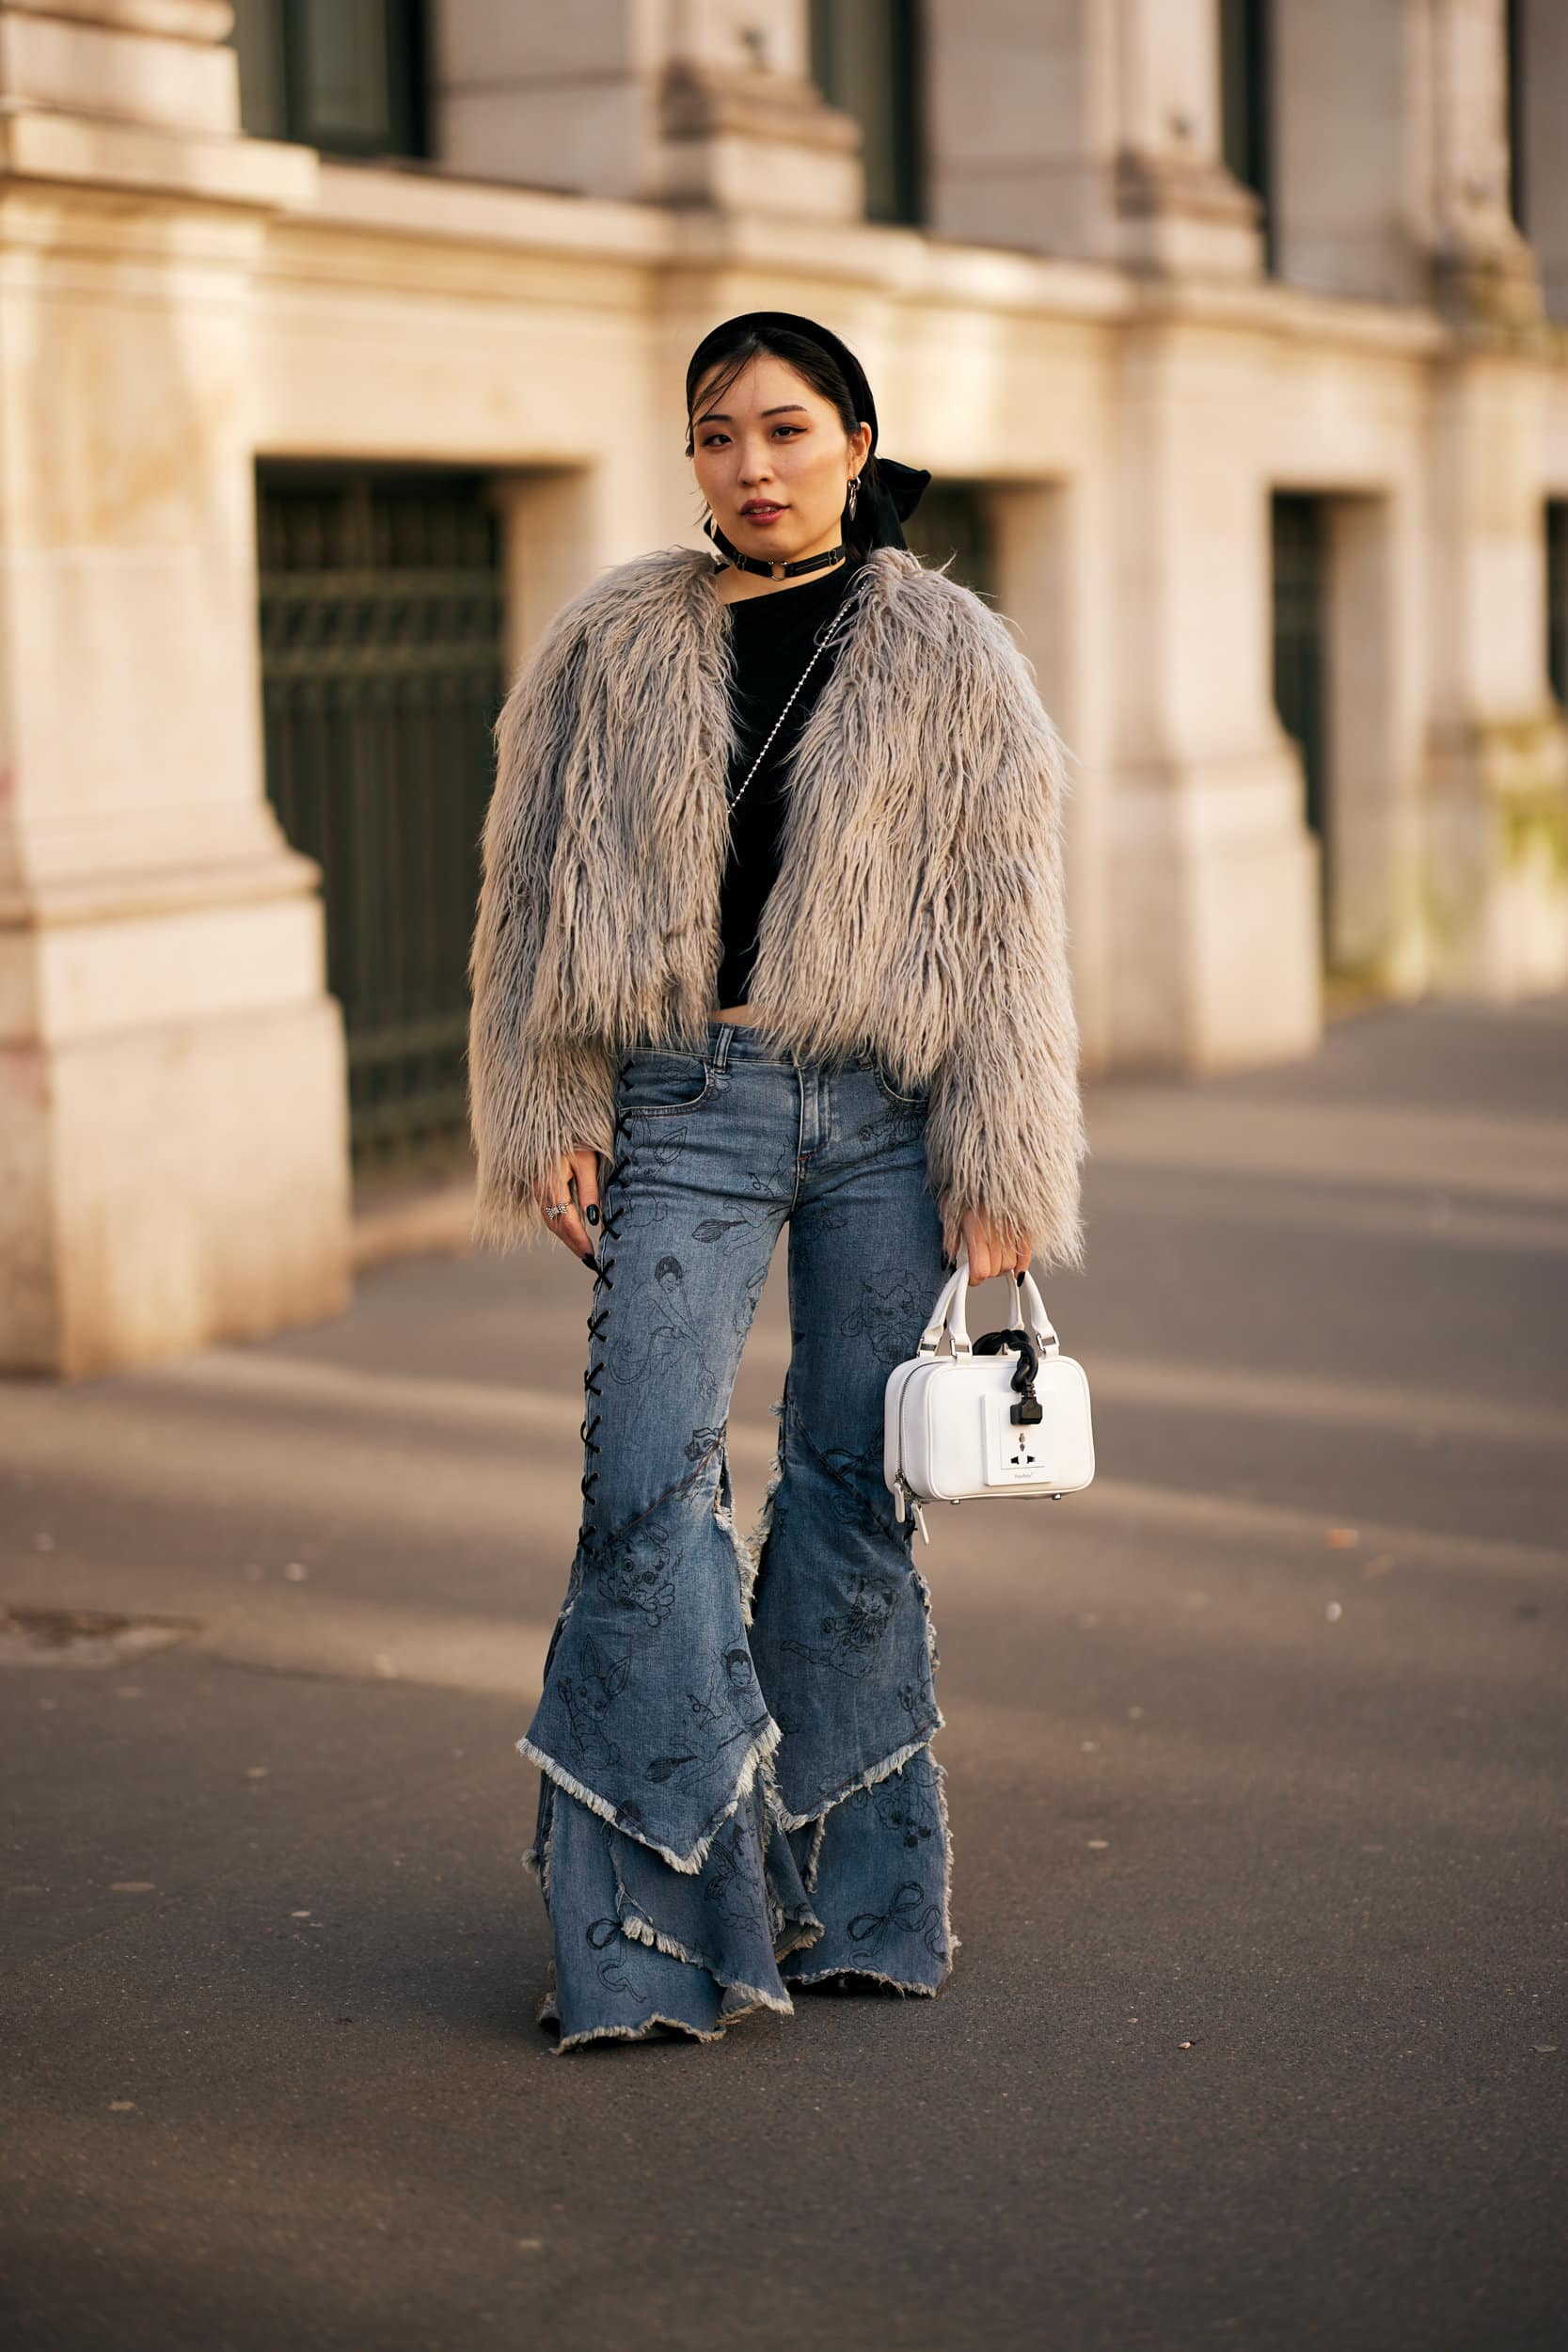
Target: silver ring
column 559, row 1209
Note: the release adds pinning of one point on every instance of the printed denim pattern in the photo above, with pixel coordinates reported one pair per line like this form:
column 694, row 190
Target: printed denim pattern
column 734, row 1735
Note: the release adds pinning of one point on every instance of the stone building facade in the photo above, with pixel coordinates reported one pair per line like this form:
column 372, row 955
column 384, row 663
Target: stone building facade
column 337, row 344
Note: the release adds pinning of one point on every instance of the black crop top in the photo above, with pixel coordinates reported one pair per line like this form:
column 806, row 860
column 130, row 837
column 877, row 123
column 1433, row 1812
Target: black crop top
column 773, row 636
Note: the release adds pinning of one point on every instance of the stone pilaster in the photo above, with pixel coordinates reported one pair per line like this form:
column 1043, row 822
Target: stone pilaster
column 1054, row 554
column 171, row 1089
column 1481, row 267
column 1087, row 128
column 1497, row 751
column 1210, row 874
column 700, row 103
column 1391, row 154
column 1376, row 661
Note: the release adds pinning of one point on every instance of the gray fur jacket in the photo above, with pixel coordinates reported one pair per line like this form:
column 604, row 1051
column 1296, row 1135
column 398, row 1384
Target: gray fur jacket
column 918, row 912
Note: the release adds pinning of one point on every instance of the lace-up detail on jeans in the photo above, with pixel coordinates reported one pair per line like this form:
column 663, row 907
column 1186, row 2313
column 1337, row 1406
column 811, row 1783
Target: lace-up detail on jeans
column 598, row 1323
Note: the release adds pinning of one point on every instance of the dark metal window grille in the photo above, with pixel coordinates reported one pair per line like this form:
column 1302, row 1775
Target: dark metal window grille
column 383, row 670
column 1300, row 665
column 347, row 77
column 1557, row 597
column 865, row 56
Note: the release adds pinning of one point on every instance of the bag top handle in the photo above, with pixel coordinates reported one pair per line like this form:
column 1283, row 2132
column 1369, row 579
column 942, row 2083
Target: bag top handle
column 930, row 1337
column 949, row 1313
column 1026, row 1291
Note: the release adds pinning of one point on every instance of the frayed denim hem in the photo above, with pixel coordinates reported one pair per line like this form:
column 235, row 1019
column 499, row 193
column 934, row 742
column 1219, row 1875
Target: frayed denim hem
column 689, row 1863
column 642, row 2032
column 872, row 1976
column 868, row 1779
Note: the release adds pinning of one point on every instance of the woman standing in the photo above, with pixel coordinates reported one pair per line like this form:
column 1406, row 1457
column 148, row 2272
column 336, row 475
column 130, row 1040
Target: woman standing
column 770, row 932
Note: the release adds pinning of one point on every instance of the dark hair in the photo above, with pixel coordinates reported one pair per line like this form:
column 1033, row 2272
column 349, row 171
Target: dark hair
column 730, row 349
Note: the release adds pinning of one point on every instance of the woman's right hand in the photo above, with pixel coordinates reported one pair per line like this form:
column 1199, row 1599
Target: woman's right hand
column 574, row 1227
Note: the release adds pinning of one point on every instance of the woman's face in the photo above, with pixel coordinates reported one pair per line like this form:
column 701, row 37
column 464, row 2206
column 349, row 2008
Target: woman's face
column 774, row 446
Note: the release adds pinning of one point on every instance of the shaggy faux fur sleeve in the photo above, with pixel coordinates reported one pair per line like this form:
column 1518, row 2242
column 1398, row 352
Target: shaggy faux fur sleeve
column 533, row 1094
column 1005, row 1129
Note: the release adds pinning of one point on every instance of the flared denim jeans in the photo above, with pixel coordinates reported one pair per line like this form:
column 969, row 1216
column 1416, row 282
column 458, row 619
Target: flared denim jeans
column 738, row 1793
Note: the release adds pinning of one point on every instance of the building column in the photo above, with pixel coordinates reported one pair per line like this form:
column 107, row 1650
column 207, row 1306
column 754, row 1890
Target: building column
column 1053, row 547
column 1085, row 127
column 1211, row 871
column 1390, row 135
column 173, row 1166
column 683, row 102
column 1482, row 266
column 1377, row 667
column 1497, row 750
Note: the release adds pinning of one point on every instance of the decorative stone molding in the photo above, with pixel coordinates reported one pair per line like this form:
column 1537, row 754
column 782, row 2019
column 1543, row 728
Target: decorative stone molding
column 136, row 94
column 1173, row 213
column 1482, row 271
column 1488, row 290
column 729, row 134
column 178, row 19
column 121, row 64
column 699, row 101
column 260, row 175
column 1150, row 188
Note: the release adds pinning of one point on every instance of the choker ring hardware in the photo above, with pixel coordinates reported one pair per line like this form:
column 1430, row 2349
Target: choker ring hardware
column 770, row 569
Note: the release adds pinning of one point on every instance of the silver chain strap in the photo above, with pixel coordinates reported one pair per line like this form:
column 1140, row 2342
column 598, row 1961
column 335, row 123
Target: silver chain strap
column 821, row 647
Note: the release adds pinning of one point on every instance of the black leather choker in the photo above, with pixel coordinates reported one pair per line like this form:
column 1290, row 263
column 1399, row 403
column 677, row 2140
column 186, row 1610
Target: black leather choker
column 771, row 571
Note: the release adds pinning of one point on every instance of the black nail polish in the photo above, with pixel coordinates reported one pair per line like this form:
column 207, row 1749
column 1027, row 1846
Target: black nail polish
column 591, row 1213
column 589, row 1259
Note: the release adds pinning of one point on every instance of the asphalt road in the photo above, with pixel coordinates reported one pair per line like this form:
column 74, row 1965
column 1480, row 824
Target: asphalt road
column 1257, row 2035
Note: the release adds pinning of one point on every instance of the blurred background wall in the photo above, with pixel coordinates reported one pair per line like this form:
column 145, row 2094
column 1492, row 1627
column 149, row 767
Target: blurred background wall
column 341, row 340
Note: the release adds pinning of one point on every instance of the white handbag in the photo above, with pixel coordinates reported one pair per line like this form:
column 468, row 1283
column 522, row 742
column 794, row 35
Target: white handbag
column 1006, row 1416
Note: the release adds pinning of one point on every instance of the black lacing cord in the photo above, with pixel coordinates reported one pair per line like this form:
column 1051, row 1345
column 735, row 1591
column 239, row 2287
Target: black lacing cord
column 597, row 1324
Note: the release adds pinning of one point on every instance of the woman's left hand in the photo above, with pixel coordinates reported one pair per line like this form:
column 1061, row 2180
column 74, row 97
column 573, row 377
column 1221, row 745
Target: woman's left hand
column 992, row 1248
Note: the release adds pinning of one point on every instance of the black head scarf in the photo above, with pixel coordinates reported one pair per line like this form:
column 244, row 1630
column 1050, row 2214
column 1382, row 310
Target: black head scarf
column 894, row 490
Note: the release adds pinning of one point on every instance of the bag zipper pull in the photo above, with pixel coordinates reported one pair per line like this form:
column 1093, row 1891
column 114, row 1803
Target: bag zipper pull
column 901, row 1491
